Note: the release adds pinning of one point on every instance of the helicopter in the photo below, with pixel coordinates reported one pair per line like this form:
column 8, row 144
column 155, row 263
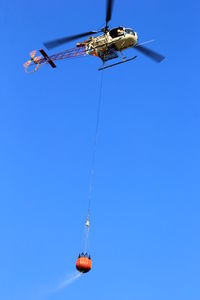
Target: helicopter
column 106, row 44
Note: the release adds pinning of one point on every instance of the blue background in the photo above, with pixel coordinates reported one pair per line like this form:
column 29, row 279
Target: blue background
column 145, row 222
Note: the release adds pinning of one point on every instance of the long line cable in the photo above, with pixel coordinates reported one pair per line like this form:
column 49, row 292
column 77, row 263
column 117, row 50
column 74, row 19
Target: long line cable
column 95, row 145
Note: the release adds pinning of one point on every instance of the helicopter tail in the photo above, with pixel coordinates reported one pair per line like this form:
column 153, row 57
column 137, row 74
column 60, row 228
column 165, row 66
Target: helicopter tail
column 47, row 58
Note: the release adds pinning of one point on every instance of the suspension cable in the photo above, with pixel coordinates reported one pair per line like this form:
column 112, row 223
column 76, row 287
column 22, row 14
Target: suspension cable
column 95, row 148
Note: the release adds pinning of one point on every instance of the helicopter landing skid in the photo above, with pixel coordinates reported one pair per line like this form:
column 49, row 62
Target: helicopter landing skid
column 118, row 63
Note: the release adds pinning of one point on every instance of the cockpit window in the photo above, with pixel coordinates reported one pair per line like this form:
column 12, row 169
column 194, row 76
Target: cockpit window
column 130, row 31
column 115, row 32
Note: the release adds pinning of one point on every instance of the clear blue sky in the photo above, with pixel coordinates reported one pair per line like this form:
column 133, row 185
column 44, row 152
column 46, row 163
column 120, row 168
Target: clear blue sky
column 145, row 223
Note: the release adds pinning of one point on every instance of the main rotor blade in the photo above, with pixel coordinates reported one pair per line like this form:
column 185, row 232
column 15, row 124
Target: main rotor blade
column 54, row 43
column 150, row 53
column 109, row 10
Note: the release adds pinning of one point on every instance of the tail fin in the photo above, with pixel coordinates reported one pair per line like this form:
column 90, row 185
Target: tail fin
column 47, row 58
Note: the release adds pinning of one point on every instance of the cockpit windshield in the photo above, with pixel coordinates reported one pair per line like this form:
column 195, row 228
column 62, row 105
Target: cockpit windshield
column 130, row 31
column 116, row 32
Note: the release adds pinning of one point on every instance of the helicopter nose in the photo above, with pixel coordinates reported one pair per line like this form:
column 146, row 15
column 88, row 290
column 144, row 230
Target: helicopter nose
column 136, row 37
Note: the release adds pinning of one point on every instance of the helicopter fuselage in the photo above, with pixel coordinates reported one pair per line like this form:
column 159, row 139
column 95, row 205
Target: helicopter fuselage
column 106, row 45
